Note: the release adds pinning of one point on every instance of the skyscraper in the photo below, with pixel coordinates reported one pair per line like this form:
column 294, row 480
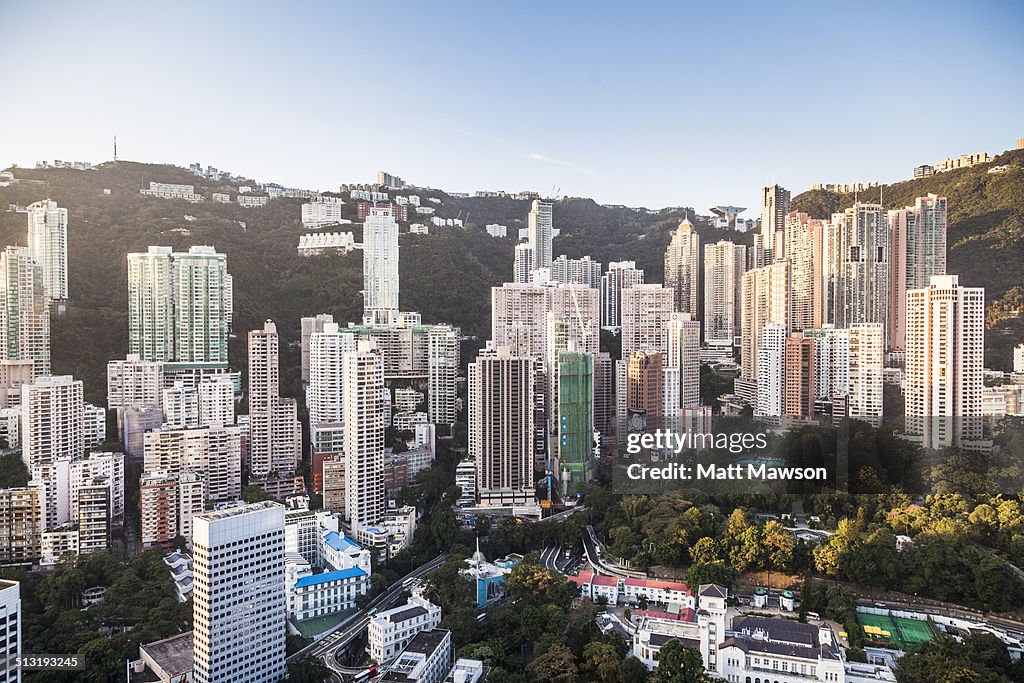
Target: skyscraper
column 945, row 346
column 765, row 300
column 575, row 421
column 10, row 631
column 683, row 360
column 863, row 287
column 646, row 310
column 53, row 414
column 518, row 315
column 324, row 395
column 178, row 305
column 443, row 342
column 771, row 373
column 238, row 600
column 48, row 245
column 582, row 271
column 309, row 325
column 380, row 266
column 523, row 265
column 918, row 252
column 24, row 311
column 867, row 353
column 804, row 244
column 682, row 268
column 724, row 265
column 134, row 382
column 274, row 431
column 540, row 233
column 363, row 437
column 775, row 201
column 501, row 388
column 800, row 388
column 645, row 385
column 621, row 275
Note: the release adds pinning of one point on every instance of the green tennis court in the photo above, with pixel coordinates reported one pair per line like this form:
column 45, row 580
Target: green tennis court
column 897, row 631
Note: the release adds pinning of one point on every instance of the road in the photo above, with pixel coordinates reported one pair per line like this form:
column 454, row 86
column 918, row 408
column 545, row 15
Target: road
column 592, row 548
column 553, row 558
column 327, row 646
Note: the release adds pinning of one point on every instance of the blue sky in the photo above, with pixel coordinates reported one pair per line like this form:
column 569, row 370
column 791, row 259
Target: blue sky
column 650, row 104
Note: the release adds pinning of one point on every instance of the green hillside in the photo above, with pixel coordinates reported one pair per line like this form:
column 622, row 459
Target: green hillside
column 985, row 236
column 446, row 275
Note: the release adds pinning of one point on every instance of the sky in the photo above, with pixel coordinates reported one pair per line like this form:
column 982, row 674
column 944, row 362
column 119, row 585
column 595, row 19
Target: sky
column 645, row 104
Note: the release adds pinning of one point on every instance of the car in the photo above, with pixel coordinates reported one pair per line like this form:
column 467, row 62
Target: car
column 371, row 612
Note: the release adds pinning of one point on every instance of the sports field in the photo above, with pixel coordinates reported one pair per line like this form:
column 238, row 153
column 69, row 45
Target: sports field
column 899, row 632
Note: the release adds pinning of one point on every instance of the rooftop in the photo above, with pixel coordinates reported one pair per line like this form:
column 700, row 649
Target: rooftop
column 339, row 541
column 327, row 577
column 173, row 655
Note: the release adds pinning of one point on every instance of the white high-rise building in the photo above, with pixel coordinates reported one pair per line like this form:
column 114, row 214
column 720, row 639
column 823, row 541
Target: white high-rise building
column 53, row 420
column 327, row 349
column 309, row 325
column 831, row 362
column 24, row 311
column 775, row 201
column 214, row 453
column 540, row 233
column 765, row 300
column 944, row 363
column 363, row 398
column 48, row 245
column 771, row 372
column 317, row 214
column 179, row 305
column 380, row 266
column 646, row 310
column 275, row 434
column 724, row 265
column 210, row 403
column 501, row 388
column 10, row 631
column 918, row 236
column 862, row 292
column 238, row 600
column 582, row 271
column 867, row 352
column 523, row 265
column 805, row 239
column 621, row 275
column 443, row 342
column 683, row 360
column 682, row 268
column 518, row 313
column 134, row 383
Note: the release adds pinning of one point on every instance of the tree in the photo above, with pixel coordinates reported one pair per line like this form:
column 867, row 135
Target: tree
column 531, row 582
column 602, row 661
column 307, row 669
column 678, row 664
column 711, row 572
column 778, row 546
column 254, row 493
column 632, row 670
column 556, row 665
column 706, row 550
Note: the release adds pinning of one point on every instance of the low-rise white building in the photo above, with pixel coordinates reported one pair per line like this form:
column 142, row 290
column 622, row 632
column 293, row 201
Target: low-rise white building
column 316, row 243
column 336, row 551
column 391, row 631
column 426, row 659
column 318, row 595
column 172, row 191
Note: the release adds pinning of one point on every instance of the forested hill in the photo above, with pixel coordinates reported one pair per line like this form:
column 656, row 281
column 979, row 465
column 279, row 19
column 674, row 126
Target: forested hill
column 985, row 235
column 446, row 275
